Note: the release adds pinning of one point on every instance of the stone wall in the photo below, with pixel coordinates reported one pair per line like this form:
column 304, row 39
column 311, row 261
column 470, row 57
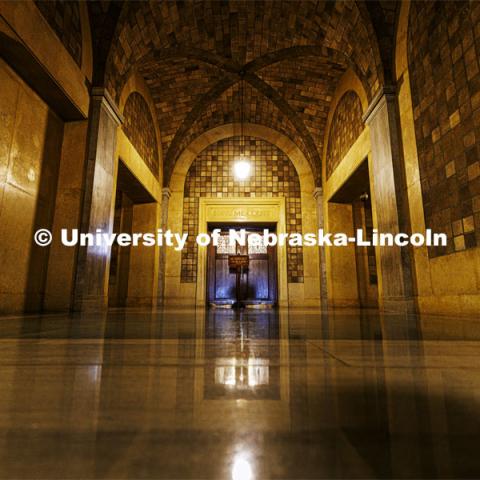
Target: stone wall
column 443, row 49
column 139, row 127
column 211, row 175
column 64, row 18
column 30, row 147
column 345, row 128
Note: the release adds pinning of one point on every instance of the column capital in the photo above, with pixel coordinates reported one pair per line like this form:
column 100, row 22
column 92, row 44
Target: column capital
column 100, row 94
column 385, row 93
column 166, row 192
column 317, row 193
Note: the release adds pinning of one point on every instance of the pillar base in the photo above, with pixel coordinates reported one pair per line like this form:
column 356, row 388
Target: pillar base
column 92, row 304
column 399, row 305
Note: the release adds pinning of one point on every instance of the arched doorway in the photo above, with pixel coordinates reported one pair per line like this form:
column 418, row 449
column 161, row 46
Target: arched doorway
column 293, row 288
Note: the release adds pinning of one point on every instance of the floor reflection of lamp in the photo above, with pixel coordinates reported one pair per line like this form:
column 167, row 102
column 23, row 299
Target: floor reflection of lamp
column 241, row 469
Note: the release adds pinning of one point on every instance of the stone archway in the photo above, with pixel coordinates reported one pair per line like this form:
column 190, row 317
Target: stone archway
column 301, row 294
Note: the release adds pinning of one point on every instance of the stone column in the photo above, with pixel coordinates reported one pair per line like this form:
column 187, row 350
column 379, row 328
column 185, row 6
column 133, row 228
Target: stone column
column 318, row 195
column 166, row 193
column 390, row 205
column 91, row 282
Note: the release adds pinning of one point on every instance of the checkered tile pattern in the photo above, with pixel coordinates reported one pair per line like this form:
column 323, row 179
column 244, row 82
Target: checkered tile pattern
column 64, row 18
column 346, row 126
column 211, row 175
column 138, row 127
column 443, row 49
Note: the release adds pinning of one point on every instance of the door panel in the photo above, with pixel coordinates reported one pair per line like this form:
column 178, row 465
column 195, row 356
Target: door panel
column 257, row 279
column 257, row 284
column 225, row 282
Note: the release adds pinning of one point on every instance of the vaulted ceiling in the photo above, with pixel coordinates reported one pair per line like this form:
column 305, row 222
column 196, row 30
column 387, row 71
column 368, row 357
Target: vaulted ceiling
column 290, row 55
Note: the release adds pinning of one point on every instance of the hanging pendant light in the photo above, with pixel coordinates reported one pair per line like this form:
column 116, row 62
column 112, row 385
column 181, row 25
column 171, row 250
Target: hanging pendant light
column 242, row 167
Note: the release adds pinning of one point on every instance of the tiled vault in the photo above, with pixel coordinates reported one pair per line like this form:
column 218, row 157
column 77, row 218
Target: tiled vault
column 291, row 54
column 211, row 175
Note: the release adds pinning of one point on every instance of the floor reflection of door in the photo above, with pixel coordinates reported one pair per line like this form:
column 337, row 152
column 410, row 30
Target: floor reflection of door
column 246, row 363
column 258, row 284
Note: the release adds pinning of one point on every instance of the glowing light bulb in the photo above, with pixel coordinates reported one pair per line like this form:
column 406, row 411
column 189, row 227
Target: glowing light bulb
column 241, row 169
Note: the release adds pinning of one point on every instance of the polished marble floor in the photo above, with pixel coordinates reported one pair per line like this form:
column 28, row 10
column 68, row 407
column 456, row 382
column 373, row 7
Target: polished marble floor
column 249, row 395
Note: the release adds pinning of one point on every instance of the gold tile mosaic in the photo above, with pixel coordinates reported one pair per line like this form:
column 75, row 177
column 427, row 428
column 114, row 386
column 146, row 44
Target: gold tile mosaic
column 211, row 175
column 443, row 50
column 64, row 18
column 138, row 127
column 347, row 125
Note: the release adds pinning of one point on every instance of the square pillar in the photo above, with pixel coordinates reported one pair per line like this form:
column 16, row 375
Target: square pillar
column 91, row 282
column 390, row 207
column 318, row 195
column 166, row 193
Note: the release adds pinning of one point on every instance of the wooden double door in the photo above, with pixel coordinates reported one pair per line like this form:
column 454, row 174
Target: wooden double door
column 258, row 282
